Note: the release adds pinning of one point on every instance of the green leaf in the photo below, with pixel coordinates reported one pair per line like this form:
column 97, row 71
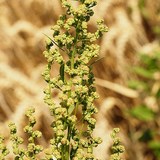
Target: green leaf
column 144, row 11
column 17, row 158
column 62, row 72
column 146, row 136
column 155, row 146
column 135, row 84
column 142, row 113
column 70, row 110
column 150, row 62
column 143, row 72
column 156, row 30
column 157, row 55
column 141, row 4
column 158, row 93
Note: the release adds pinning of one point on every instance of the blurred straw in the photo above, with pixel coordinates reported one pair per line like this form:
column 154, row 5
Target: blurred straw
column 117, row 88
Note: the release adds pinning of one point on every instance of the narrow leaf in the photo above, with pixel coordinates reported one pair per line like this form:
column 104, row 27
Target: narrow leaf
column 143, row 72
column 71, row 109
column 62, row 72
column 142, row 113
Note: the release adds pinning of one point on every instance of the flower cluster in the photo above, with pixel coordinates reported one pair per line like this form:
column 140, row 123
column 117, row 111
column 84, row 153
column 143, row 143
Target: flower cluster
column 72, row 47
column 117, row 148
column 16, row 141
column 32, row 149
column 4, row 151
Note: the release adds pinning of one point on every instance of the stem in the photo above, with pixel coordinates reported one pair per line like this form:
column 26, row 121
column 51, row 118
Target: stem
column 68, row 149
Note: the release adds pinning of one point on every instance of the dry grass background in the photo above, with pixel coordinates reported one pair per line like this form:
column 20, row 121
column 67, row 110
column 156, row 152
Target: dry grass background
column 22, row 24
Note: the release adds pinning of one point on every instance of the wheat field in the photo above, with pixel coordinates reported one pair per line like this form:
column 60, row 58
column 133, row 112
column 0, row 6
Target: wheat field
column 22, row 42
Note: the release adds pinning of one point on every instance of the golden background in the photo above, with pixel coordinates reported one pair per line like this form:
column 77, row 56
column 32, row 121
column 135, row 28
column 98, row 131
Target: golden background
column 132, row 25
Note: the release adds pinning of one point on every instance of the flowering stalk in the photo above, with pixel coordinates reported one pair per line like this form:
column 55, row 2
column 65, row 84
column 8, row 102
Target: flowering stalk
column 3, row 149
column 32, row 149
column 117, row 147
column 16, row 142
column 73, row 47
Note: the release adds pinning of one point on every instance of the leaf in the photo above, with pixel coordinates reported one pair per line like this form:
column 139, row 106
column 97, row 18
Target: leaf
column 156, row 30
column 141, row 4
column 157, row 55
column 143, row 72
column 135, row 84
column 146, row 59
column 146, row 136
column 158, row 93
column 142, row 7
column 155, row 146
column 142, row 113
column 151, row 62
column 70, row 110
column 53, row 42
column 17, row 158
column 62, row 72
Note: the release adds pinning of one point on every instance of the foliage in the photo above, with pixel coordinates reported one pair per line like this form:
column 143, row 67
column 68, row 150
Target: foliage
column 142, row 113
column 149, row 88
column 117, row 148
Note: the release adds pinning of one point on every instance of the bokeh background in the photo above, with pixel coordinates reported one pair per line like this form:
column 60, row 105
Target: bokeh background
column 127, row 78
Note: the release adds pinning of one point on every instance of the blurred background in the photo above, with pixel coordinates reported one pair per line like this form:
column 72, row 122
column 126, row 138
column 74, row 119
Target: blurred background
column 127, row 78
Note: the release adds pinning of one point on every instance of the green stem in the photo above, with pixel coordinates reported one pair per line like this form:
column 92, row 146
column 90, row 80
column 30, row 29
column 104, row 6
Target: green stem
column 68, row 146
column 68, row 149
